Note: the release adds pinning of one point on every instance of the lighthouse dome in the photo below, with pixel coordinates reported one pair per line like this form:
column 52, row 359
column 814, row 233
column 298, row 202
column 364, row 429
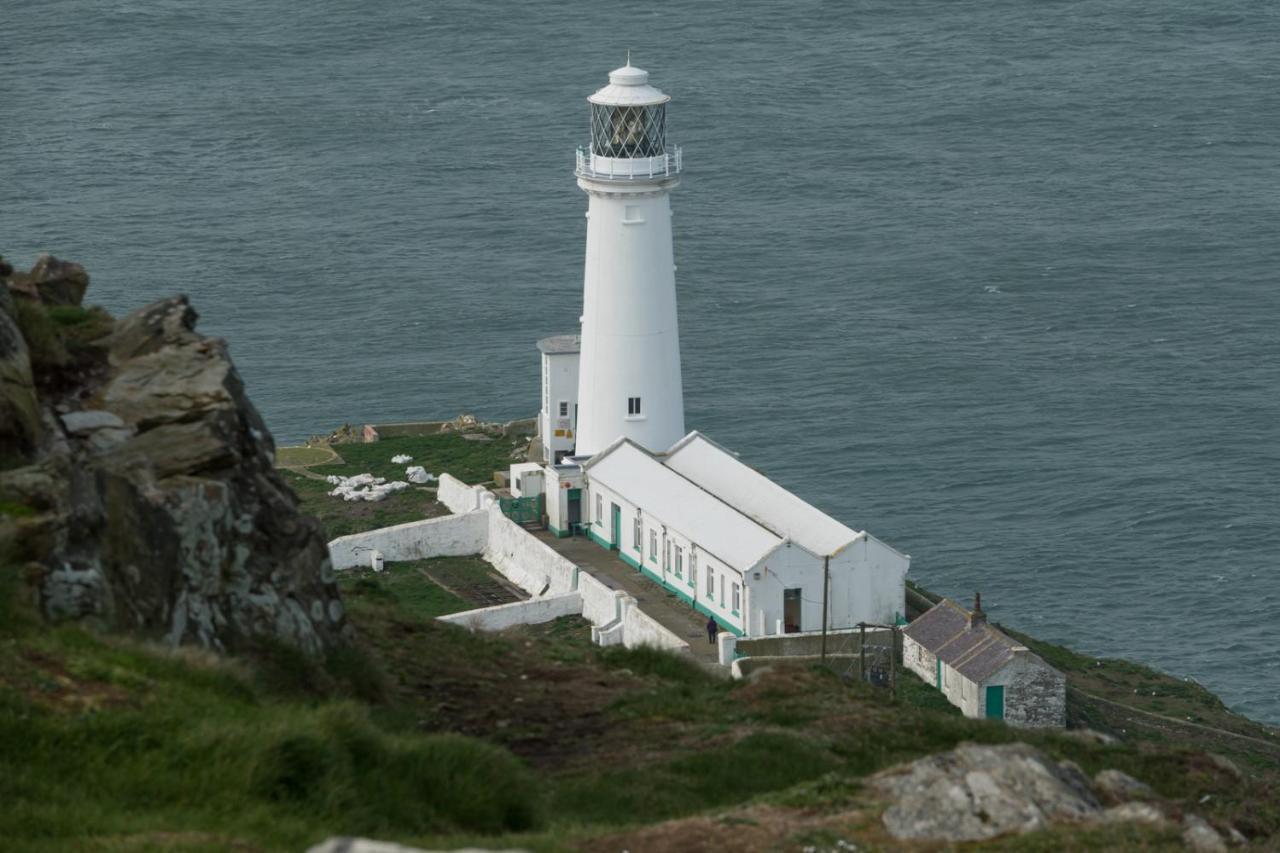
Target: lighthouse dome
column 629, row 87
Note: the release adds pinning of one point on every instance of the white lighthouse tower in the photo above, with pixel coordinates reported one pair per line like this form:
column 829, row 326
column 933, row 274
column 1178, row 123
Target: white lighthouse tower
column 629, row 372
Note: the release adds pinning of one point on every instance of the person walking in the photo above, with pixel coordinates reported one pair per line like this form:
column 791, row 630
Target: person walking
column 712, row 629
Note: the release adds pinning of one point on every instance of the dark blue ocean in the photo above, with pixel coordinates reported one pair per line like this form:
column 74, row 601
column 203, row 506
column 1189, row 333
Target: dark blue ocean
column 996, row 281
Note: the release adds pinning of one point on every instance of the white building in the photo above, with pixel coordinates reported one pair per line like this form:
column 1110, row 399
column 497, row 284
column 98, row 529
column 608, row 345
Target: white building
column 681, row 509
column 558, row 420
column 736, row 545
column 983, row 671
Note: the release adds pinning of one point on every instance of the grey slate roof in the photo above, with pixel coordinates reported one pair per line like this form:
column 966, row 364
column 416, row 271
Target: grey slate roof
column 977, row 653
column 560, row 344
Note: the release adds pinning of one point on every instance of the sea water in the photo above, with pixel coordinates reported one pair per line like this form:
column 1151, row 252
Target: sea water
column 993, row 280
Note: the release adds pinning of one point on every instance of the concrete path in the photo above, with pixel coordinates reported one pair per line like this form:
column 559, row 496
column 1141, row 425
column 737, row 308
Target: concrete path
column 670, row 612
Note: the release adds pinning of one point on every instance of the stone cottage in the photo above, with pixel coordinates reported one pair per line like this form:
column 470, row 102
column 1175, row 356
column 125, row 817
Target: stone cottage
column 981, row 670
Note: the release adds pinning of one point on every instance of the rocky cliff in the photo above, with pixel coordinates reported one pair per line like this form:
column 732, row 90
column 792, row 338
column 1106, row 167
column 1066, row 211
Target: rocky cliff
column 137, row 482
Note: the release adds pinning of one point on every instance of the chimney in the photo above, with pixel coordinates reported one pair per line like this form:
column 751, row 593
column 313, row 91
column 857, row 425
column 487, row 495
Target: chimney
column 977, row 617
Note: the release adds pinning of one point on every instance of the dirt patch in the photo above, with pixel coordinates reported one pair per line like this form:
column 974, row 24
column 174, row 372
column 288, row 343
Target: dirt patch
column 754, row 828
column 46, row 682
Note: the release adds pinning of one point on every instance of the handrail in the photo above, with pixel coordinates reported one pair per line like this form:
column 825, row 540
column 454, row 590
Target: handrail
column 665, row 165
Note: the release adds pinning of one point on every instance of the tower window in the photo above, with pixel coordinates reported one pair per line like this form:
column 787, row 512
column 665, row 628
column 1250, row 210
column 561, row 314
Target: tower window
column 633, row 405
column 564, row 408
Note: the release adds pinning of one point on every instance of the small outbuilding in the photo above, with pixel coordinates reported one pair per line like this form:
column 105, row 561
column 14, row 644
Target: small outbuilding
column 983, row 671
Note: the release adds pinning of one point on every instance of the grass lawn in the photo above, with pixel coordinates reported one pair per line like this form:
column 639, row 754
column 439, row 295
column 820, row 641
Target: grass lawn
column 469, row 461
column 432, row 736
column 408, row 589
column 339, row 517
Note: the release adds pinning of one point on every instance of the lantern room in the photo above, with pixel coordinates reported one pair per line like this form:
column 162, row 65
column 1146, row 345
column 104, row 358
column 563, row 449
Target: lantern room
column 628, row 130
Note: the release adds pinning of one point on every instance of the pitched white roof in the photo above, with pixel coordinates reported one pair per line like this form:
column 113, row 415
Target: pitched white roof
column 708, row 521
column 718, row 471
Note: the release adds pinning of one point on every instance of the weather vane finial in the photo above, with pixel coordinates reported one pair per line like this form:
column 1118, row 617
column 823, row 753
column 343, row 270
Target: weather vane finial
column 628, row 57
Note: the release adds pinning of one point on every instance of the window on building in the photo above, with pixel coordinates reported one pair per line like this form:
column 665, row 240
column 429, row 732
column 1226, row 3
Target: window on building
column 599, row 509
column 722, row 590
column 693, row 569
column 711, row 582
column 653, row 546
column 633, row 405
column 679, row 562
column 564, row 408
column 636, row 535
column 737, row 598
column 666, row 557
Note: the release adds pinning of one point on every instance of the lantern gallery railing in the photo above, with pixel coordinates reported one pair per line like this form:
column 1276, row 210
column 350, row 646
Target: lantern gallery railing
column 592, row 165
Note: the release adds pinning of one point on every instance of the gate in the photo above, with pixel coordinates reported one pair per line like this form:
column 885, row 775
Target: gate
column 522, row 510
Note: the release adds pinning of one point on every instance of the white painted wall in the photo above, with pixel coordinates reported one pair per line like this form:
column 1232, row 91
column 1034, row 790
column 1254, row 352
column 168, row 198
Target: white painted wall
column 559, row 383
column 630, row 335
column 641, row 629
column 527, row 562
column 447, row 536
column 559, row 482
column 788, row 567
column 678, row 533
column 535, row 611
column 600, row 604
column 457, row 495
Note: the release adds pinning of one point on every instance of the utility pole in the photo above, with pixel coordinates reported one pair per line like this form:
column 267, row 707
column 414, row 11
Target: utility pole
column 862, row 652
column 893, row 663
column 826, row 583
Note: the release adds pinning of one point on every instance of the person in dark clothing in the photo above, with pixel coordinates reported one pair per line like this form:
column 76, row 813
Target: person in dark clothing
column 712, row 629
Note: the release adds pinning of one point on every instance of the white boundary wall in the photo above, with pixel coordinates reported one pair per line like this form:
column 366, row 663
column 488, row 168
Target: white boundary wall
column 532, row 612
column 524, row 560
column 447, row 536
column 557, row 587
column 459, row 497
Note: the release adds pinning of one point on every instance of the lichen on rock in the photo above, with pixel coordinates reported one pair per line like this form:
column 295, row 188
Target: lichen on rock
column 148, row 479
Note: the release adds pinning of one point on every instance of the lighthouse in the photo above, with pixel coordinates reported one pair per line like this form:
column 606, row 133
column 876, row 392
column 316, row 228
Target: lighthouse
column 629, row 382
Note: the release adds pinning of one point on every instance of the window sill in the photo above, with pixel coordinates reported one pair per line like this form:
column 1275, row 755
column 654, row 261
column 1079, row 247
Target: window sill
column 636, row 418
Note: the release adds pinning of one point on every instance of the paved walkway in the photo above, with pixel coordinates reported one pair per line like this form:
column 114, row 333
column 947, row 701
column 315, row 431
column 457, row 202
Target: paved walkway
column 670, row 612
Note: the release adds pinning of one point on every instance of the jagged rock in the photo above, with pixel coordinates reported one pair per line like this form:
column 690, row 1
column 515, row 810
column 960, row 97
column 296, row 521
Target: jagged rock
column 977, row 792
column 1199, row 836
column 19, row 410
column 155, row 506
column 1116, row 786
column 53, row 282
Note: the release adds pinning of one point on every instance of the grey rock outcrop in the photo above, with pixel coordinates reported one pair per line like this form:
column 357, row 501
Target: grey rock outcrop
column 367, row 845
column 1115, row 786
column 978, row 792
column 148, row 488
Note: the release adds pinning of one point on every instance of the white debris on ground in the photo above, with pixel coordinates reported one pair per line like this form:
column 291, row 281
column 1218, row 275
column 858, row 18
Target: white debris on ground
column 418, row 474
column 400, row 459
column 364, row 487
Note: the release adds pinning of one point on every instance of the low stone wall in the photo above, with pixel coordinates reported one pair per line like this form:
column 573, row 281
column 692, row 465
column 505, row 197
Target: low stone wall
column 809, row 644
column 555, row 585
column 524, row 560
column 532, row 612
column 600, row 605
column 744, row 667
column 457, row 495
column 447, row 536
column 641, row 629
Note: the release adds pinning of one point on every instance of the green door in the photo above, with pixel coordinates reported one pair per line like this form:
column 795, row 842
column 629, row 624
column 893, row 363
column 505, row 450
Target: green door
column 939, row 684
column 617, row 528
column 995, row 702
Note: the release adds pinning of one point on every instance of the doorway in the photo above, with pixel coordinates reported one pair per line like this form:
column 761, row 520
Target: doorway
column 615, row 541
column 791, row 608
column 995, row 702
